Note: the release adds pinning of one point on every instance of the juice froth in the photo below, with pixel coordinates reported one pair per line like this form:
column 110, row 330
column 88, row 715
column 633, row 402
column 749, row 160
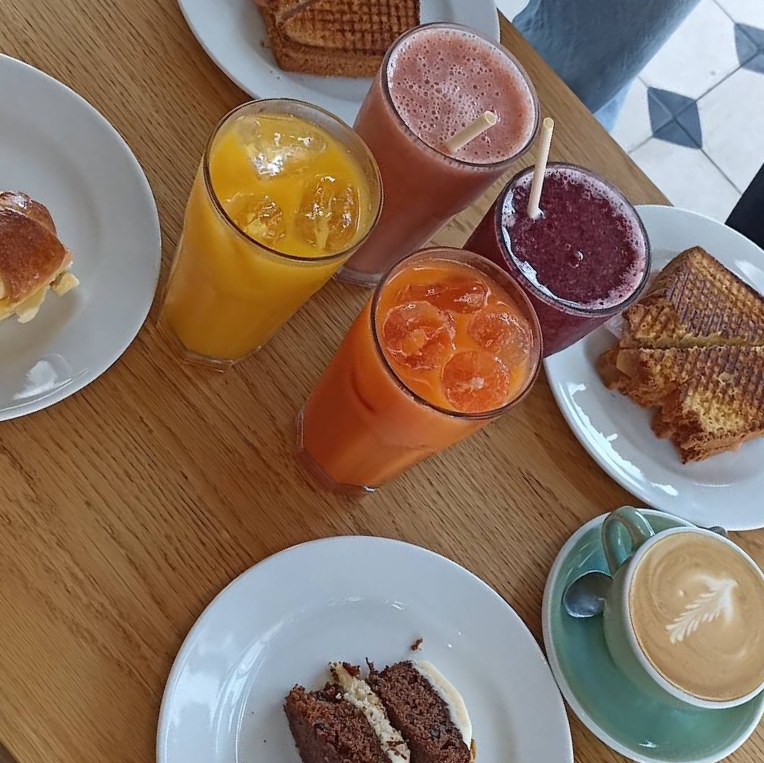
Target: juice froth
column 442, row 79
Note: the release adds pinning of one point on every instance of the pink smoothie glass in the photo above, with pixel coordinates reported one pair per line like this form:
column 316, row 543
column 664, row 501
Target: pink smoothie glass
column 435, row 80
column 585, row 259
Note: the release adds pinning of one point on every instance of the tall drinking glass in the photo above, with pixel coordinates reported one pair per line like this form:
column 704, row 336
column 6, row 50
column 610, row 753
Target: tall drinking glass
column 284, row 195
column 585, row 258
column 435, row 80
column 447, row 344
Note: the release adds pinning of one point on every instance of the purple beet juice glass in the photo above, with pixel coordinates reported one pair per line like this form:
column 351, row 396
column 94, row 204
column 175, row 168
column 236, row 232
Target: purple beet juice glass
column 583, row 260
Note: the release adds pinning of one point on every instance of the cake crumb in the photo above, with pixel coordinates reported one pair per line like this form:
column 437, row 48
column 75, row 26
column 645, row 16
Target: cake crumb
column 417, row 645
column 473, row 751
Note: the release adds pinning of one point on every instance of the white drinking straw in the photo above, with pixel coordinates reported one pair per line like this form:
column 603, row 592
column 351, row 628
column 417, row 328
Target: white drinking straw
column 545, row 141
column 484, row 122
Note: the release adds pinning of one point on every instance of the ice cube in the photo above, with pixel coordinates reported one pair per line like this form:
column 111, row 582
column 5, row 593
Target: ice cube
column 504, row 332
column 418, row 335
column 327, row 217
column 258, row 215
column 476, row 381
column 457, row 295
column 274, row 150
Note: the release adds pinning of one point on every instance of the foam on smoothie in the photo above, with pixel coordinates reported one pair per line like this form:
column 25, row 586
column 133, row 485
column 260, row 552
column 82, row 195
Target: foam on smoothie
column 441, row 80
column 586, row 249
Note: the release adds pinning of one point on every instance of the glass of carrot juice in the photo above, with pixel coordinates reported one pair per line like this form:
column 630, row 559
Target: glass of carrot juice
column 448, row 343
column 284, row 194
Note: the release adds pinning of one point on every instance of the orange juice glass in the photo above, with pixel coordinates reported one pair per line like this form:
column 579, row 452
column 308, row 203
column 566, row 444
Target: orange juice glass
column 448, row 343
column 284, row 194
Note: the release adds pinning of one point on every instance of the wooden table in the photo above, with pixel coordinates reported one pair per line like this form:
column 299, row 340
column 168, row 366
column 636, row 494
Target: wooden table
column 125, row 509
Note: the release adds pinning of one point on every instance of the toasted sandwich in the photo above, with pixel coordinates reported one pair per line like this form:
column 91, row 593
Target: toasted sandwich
column 335, row 37
column 694, row 349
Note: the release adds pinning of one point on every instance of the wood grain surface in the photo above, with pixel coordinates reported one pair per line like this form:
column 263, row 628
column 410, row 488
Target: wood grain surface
column 126, row 508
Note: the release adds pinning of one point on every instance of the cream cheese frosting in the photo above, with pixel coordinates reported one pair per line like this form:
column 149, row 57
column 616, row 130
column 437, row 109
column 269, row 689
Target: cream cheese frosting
column 454, row 701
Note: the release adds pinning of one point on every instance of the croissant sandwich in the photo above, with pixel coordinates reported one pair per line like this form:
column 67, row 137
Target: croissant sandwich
column 32, row 259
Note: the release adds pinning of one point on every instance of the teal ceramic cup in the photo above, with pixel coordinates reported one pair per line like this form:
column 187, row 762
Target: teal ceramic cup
column 626, row 538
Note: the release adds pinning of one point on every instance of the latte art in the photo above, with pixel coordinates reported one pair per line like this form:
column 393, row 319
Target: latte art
column 717, row 601
column 697, row 608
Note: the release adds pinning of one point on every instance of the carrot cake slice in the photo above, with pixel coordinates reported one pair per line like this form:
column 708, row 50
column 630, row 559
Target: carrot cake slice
column 406, row 713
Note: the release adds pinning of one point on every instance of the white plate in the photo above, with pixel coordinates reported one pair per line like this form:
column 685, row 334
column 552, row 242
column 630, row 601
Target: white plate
column 351, row 598
column 724, row 490
column 232, row 33
column 57, row 148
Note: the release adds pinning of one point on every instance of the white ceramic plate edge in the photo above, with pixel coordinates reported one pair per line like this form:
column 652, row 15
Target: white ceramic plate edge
column 202, row 40
column 144, row 307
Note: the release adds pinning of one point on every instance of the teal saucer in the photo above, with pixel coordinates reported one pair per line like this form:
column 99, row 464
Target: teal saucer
column 603, row 699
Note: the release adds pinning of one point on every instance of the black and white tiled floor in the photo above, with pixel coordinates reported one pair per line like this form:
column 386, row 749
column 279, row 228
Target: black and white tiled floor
column 694, row 120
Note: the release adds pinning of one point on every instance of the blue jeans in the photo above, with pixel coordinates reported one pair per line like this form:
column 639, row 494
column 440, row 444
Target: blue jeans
column 598, row 47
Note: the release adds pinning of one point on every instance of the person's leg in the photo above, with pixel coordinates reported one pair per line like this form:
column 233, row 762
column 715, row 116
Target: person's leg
column 748, row 215
column 599, row 46
column 607, row 116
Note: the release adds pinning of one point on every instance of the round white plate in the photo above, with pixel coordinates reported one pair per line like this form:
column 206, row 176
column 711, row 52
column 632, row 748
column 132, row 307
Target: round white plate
column 350, row 598
column 232, row 33
column 723, row 490
column 57, row 148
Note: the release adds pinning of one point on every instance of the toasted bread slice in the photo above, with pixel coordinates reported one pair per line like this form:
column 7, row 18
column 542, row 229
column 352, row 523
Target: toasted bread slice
column 710, row 398
column 695, row 301
column 648, row 375
column 295, row 57
column 353, row 25
column 335, row 37
column 718, row 410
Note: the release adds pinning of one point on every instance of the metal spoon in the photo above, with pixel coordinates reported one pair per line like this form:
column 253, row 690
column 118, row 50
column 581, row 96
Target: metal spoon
column 585, row 596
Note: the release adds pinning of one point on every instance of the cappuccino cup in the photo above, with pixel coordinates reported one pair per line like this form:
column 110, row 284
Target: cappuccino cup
column 684, row 618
